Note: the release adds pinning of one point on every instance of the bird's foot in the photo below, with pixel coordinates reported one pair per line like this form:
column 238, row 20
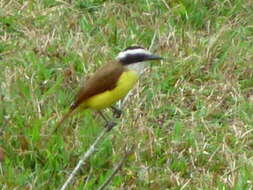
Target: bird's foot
column 109, row 125
column 116, row 112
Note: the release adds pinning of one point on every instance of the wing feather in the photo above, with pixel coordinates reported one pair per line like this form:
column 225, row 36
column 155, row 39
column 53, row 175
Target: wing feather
column 104, row 79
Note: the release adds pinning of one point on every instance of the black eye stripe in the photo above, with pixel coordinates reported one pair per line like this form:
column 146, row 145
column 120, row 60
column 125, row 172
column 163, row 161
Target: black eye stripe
column 133, row 58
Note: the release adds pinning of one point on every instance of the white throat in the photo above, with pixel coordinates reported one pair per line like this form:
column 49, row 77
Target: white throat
column 137, row 67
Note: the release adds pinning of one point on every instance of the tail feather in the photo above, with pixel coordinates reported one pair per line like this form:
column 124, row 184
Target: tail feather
column 60, row 122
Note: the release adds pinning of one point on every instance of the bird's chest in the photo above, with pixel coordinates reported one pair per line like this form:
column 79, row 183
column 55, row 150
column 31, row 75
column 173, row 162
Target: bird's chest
column 124, row 84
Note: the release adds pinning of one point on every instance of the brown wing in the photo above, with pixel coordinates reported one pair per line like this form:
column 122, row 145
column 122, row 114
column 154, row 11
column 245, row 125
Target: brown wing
column 104, row 79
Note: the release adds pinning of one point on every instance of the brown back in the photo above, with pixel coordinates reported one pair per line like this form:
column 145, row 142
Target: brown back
column 103, row 79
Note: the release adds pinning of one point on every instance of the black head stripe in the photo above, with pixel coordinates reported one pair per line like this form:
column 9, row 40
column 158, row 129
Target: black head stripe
column 133, row 47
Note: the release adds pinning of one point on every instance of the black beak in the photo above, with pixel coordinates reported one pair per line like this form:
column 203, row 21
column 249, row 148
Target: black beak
column 154, row 57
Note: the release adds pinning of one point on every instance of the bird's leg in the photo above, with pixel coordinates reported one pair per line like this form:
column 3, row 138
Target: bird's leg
column 108, row 124
column 116, row 112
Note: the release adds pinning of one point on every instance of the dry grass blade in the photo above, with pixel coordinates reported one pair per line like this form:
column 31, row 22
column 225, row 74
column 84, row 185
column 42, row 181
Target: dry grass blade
column 84, row 158
column 116, row 169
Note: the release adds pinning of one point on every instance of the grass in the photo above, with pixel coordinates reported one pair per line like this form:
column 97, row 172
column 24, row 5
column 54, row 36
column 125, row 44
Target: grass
column 190, row 116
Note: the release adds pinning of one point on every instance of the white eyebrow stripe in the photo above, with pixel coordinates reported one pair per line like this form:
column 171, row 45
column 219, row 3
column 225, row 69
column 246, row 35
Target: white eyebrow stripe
column 123, row 54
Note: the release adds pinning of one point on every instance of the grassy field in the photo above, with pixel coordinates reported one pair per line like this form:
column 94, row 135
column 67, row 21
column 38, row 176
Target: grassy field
column 190, row 117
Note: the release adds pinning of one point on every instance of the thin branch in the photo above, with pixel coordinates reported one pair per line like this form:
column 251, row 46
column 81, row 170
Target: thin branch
column 83, row 159
column 90, row 151
column 116, row 169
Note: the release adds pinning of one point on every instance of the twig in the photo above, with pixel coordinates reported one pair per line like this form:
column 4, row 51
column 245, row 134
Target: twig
column 88, row 178
column 90, row 151
column 116, row 169
column 85, row 156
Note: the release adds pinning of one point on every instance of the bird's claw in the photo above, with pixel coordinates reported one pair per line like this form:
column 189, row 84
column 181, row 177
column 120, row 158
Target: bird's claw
column 109, row 125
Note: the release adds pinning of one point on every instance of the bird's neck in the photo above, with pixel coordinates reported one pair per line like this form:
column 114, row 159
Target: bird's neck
column 137, row 67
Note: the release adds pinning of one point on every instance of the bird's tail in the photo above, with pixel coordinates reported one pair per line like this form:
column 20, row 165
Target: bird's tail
column 64, row 117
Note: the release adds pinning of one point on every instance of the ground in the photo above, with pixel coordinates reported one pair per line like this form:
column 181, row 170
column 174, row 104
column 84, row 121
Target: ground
column 189, row 118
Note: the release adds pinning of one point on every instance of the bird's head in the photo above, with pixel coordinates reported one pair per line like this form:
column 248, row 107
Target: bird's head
column 136, row 54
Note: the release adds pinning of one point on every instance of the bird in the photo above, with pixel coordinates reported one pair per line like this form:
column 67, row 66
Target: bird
column 111, row 83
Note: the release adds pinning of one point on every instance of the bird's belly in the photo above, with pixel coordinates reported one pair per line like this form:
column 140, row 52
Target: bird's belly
column 125, row 83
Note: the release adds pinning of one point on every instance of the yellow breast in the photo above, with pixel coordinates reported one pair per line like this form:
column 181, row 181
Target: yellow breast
column 125, row 83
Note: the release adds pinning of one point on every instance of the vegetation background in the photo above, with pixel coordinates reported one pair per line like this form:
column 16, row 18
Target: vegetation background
column 190, row 117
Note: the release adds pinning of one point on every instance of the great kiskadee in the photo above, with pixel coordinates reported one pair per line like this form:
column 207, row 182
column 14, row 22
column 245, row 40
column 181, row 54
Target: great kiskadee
column 111, row 82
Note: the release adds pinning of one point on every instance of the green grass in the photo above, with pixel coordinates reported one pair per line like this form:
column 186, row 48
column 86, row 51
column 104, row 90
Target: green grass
column 190, row 117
